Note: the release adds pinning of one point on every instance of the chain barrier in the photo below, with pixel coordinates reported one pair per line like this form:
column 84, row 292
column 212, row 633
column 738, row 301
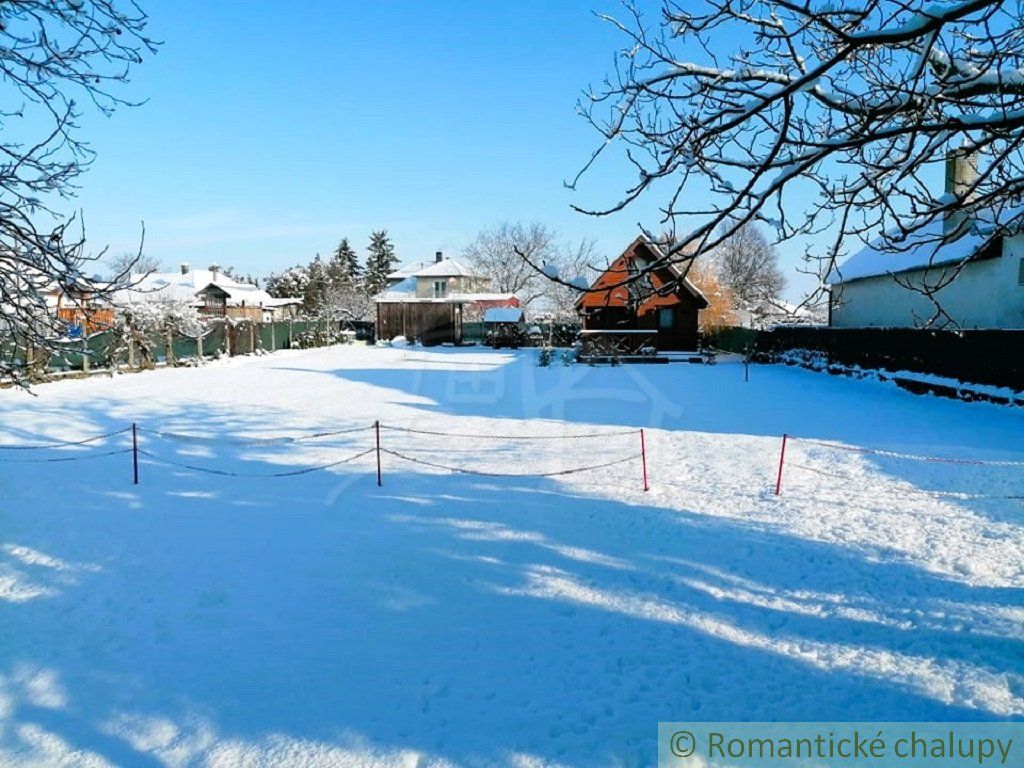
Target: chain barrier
column 136, row 450
column 228, row 473
column 481, row 473
column 206, row 439
column 895, row 455
column 65, row 443
column 919, row 491
column 511, row 437
column 909, row 456
column 57, row 459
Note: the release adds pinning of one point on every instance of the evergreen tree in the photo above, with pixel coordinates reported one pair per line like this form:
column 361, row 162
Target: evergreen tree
column 380, row 261
column 344, row 268
column 316, row 287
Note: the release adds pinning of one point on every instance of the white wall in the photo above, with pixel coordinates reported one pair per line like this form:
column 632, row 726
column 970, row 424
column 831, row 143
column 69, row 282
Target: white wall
column 986, row 294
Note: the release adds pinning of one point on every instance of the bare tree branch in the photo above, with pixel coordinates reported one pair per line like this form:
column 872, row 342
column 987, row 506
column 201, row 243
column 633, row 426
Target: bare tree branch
column 828, row 121
column 53, row 54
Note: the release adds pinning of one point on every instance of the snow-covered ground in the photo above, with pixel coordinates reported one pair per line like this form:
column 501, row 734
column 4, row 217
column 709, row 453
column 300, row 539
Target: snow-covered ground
column 457, row 619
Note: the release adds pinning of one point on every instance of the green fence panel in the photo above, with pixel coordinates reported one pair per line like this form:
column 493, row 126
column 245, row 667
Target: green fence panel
column 282, row 335
column 184, row 348
column 66, row 356
column 102, row 352
column 249, row 334
column 734, row 339
column 473, row 332
column 273, row 336
column 213, row 341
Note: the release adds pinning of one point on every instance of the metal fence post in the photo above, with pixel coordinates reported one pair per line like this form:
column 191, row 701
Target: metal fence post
column 376, row 429
column 782, row 461
column 135, row 453
column 643, row 459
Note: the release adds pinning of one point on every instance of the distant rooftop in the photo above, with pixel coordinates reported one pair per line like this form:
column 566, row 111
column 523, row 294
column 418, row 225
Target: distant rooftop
column 925, row 248
column 446, row 267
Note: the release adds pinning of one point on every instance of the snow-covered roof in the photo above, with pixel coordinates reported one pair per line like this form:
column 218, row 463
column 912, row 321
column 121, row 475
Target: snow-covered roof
column 242, row 293
column 447, row 268
column 925, row 248
column 503, row 315
column 285, row 301
column 405, row 288
column 389, row 297
column 484, row 296
column 408, row 270
column 175, row 286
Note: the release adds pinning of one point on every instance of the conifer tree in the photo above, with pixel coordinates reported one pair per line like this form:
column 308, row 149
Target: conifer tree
column 346, row 254
column 343, row 269
column 380, row 261
column 316, row 287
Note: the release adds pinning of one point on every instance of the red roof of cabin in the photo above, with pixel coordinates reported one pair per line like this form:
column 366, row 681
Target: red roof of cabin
column 663, row 286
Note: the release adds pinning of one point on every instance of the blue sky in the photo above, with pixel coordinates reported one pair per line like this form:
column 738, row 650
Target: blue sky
column 269, row 133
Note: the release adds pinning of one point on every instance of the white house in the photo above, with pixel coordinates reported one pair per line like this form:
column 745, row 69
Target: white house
column 987, row 292
column 431, row 301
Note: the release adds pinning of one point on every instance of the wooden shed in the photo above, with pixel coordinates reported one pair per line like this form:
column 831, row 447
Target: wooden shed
column 662, row 301
column 429, row 322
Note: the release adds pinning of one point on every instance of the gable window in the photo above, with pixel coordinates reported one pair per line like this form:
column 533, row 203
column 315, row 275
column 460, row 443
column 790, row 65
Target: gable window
column 666, row 319
column 440, row 289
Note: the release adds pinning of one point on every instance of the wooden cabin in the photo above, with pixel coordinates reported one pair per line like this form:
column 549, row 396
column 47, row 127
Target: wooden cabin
column 659, row 308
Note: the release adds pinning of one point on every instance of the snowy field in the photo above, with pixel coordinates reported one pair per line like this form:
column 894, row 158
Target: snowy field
column 460, row 619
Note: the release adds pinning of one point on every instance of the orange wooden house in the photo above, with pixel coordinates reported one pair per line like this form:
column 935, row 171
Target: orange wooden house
column 661, row 302
column 80, row 308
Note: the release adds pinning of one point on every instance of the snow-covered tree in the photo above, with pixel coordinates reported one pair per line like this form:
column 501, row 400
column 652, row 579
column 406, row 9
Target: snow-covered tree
column 146, row 326
column 569, row 269
column 291, row 283
column 54, row 57
column 380, row 261
column 495, row 253
column 747, row 265
column 825, row 121
column 347, row 301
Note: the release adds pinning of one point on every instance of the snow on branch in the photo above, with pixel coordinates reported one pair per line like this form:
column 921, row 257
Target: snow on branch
column 824, row 120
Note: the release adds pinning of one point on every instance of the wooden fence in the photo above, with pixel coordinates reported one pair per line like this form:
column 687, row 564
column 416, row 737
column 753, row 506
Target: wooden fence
column 104, row 350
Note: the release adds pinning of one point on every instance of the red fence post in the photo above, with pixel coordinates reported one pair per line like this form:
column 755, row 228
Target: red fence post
column 782, row 460
column 643, row 459
column 376, row 429
column 135, row 453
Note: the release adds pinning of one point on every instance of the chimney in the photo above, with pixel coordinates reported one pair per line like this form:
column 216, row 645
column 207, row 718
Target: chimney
column 961, row 174
column 438, row 257
column 214, row 271
column 185, row 268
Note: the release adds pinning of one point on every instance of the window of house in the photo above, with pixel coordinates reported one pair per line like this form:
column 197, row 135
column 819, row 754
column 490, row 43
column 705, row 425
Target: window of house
column 1020, row 273
column 440, row 289
column 666, row 319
